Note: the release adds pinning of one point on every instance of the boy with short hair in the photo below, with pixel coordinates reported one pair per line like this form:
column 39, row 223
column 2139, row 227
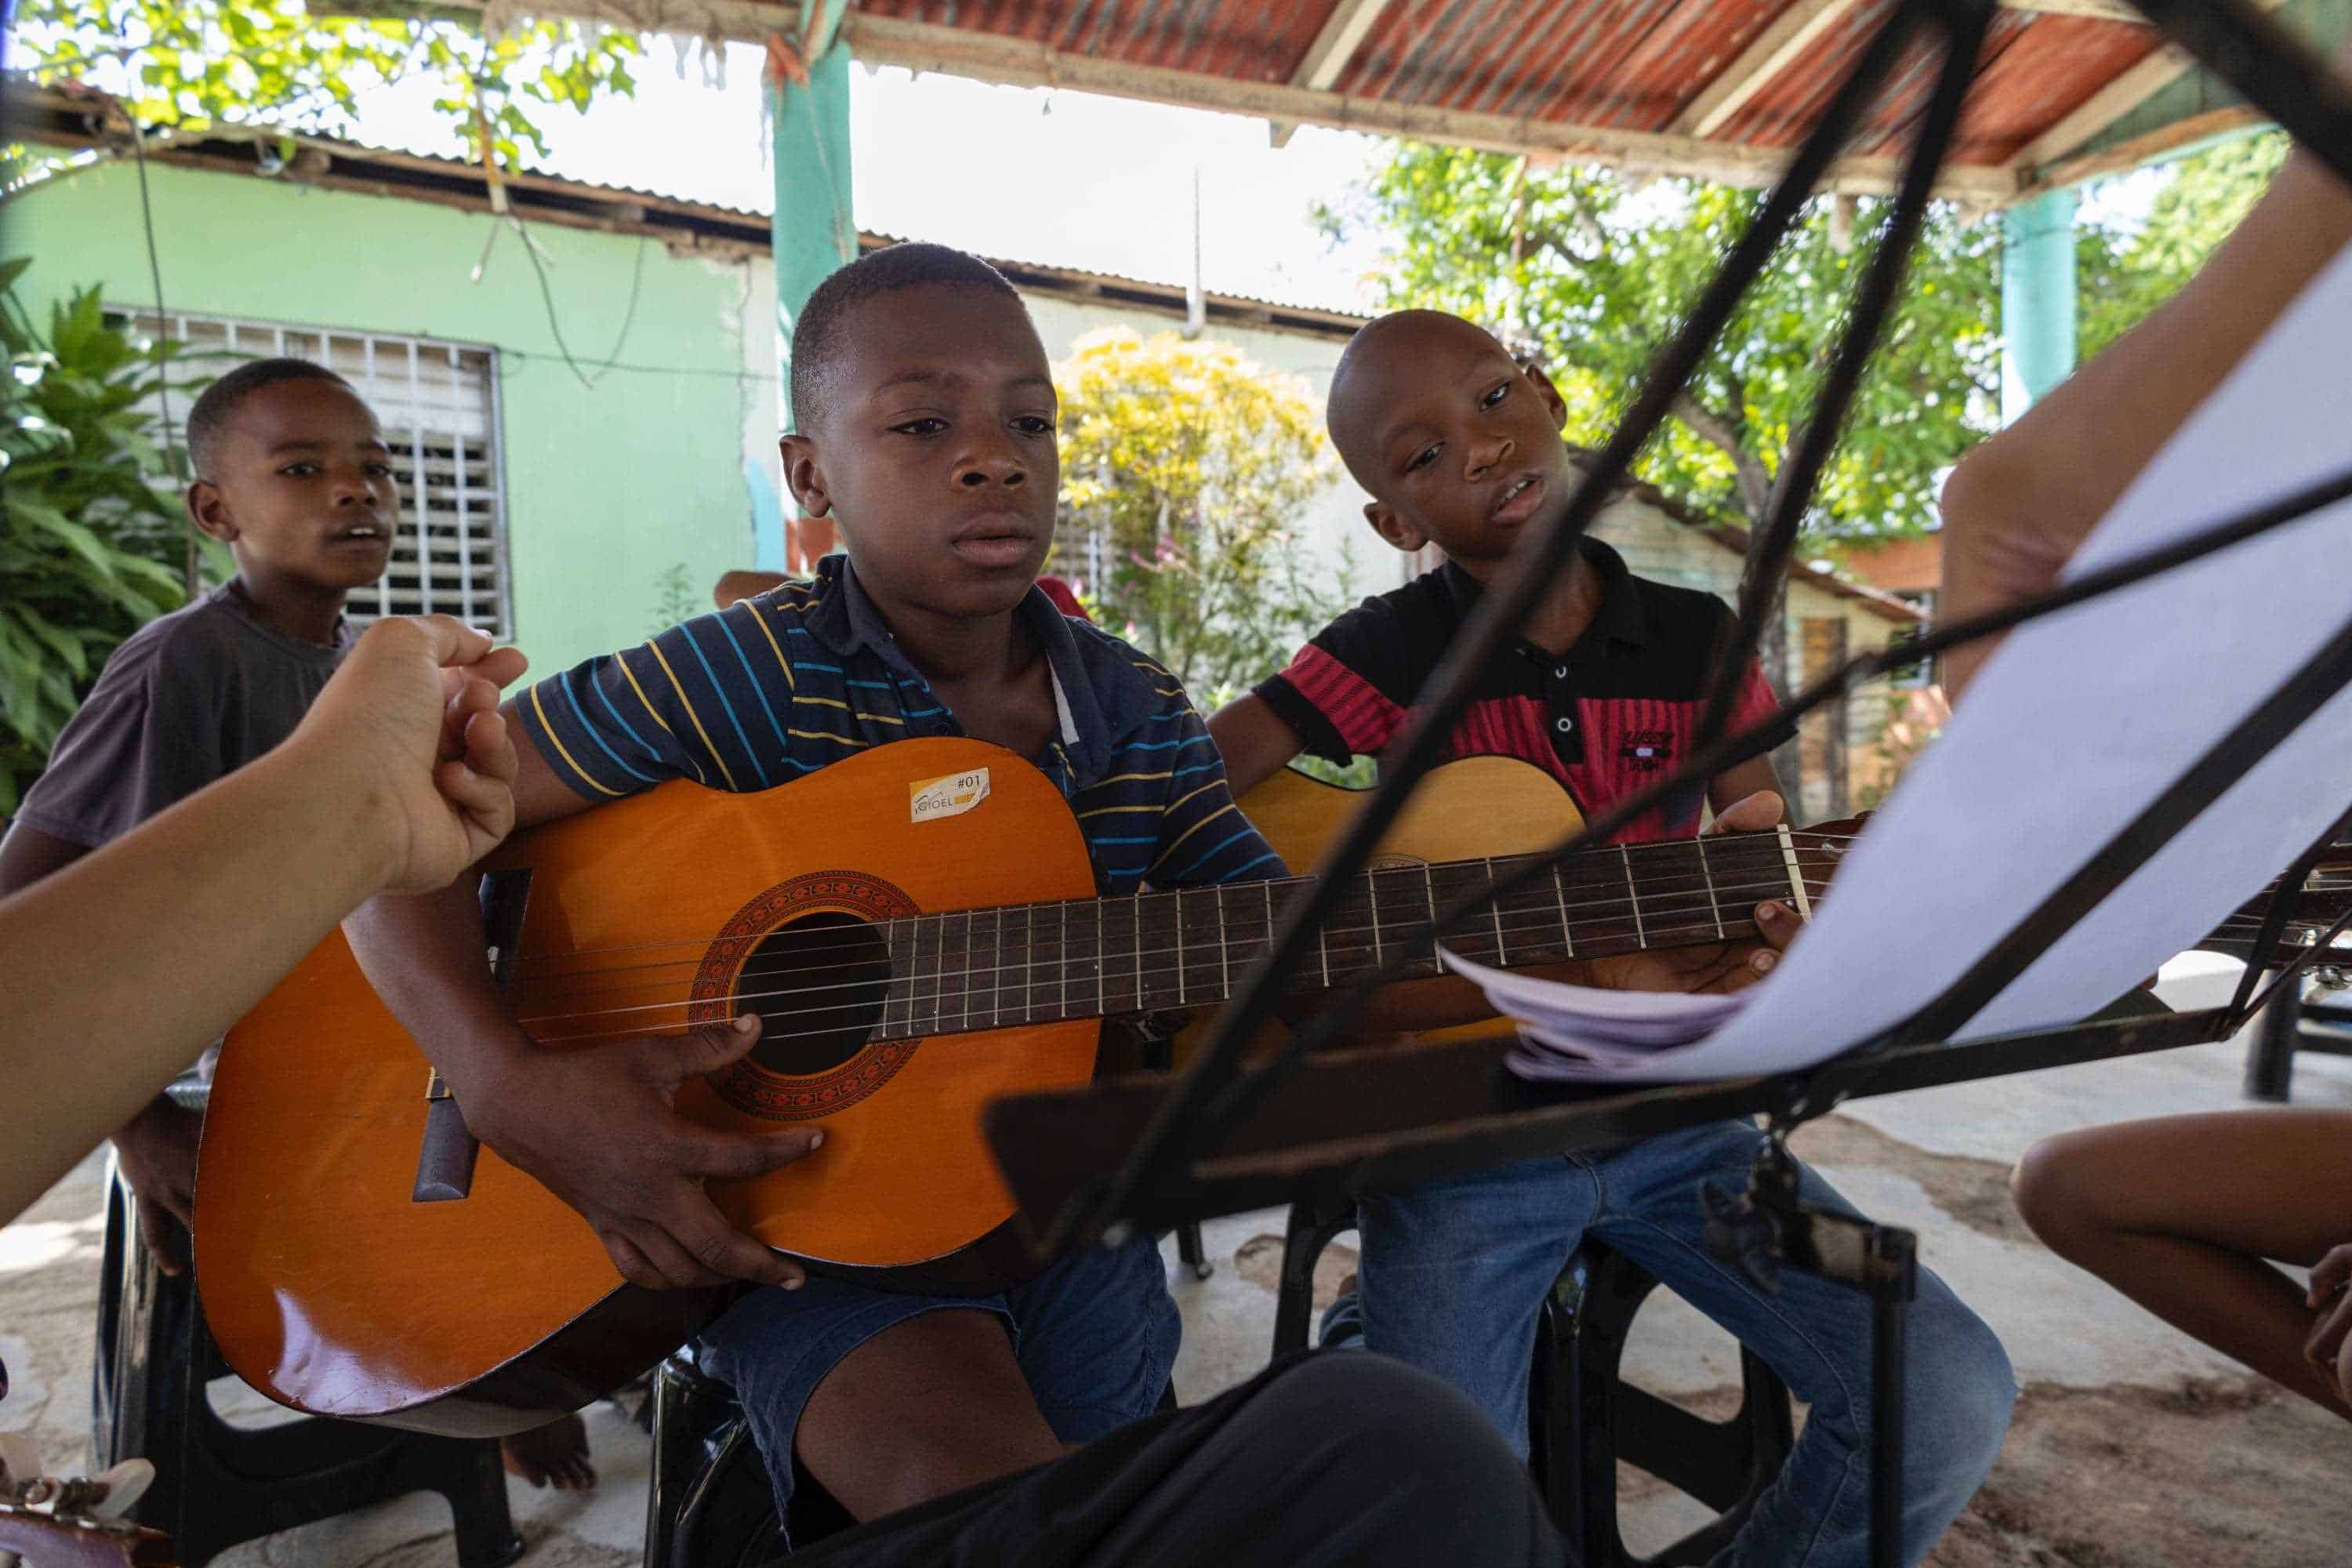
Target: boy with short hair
column 924, row 419
column 1459, row 446
column 294, row 476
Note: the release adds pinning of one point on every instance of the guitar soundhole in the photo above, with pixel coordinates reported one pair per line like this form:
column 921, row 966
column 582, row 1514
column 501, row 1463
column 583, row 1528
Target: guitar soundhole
column 817, row 983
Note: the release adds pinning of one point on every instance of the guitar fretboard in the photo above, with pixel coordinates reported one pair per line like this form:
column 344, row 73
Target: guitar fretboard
column 1037, row 964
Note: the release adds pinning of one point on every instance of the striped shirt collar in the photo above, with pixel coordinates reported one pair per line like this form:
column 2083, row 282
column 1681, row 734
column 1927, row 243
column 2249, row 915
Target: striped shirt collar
column 844, row 618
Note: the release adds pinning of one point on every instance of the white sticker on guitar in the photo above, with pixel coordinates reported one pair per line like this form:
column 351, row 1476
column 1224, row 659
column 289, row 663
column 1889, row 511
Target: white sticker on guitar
column 950, row 796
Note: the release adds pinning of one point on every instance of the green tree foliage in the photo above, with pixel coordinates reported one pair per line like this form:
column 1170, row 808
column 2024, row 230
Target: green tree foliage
column 187, row 63
column 2122, row 274
column 1185, row 472
column 1591, row 275
column 87, row 546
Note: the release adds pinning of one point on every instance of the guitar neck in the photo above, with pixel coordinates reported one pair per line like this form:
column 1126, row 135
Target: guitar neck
column 1036, row 964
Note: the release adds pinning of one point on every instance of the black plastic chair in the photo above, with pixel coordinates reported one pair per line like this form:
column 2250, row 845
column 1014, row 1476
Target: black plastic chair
column 708, row 1502
column 217, row 1485
column 2295, row 1021
column 1581, row 1418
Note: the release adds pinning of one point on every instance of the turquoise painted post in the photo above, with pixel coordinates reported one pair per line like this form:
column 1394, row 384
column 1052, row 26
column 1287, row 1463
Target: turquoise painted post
column 814, row 230
column 2037, row 299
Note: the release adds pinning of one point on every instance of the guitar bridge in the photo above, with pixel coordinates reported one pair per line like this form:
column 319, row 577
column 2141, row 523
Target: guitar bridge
column 445, row 1162
column 445, row 1158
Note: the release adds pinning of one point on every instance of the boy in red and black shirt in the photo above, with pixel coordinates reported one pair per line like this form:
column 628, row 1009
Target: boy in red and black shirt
column 1459, row 446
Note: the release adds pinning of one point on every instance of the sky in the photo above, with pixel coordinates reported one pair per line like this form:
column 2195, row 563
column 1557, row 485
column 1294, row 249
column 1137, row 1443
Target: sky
column 1026, row 174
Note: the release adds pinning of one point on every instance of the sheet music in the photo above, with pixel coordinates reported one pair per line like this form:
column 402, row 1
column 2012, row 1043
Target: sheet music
column 2078, row 723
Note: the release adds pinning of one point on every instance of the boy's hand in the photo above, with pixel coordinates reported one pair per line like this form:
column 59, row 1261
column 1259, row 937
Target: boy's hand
column 1713, row 967
column 157, row 1150
column 598, row 1126
column 411, row 715
column 2330, row 1346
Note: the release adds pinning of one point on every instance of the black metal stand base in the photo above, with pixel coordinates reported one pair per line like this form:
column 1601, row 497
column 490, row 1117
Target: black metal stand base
column 1770, row 1228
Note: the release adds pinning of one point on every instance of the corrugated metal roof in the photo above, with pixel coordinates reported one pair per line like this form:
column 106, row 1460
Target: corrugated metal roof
column 1628, row 67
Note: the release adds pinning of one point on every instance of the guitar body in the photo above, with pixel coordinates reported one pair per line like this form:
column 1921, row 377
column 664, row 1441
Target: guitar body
column 332, row 1288
column 1465, row 810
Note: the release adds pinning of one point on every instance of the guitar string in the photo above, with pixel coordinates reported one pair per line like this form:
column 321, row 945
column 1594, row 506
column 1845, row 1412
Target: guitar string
column 1521, row 919
column 938, row 1026
column 1028, row 986
column 1769, row 850
column 1548, row 912
column 1415, row 875
column 1472, row 929
column 1119, row 966
column 1521, row 922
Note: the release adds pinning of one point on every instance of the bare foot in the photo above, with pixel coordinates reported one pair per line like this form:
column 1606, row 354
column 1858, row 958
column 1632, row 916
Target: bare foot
column 555, row 1455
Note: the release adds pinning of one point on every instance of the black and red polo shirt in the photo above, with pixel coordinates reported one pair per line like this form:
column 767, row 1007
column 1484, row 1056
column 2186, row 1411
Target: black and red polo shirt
column 1606, row 718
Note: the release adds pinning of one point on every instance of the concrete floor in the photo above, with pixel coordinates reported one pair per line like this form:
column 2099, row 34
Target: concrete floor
column 2097, row 1371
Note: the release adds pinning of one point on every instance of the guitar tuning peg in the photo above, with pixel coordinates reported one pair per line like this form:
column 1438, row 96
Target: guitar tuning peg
column 124, row 1486
column 20, row 1464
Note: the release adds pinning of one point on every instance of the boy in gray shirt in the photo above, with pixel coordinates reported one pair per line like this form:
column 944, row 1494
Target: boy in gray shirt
column 294, row 476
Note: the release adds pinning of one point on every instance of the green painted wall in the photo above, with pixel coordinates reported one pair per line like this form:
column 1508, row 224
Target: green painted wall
column 606, row 488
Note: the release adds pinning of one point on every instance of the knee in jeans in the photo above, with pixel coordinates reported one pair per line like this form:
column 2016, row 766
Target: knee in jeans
column 1961, row 1375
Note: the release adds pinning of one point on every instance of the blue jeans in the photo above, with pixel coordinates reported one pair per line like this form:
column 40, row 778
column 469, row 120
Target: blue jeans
column 1095, row 1335
column 1452, row 1274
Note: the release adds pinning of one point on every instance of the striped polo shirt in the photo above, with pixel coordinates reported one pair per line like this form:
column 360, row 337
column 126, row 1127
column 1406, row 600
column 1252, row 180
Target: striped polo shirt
column 776, row 687
column 1606, row 718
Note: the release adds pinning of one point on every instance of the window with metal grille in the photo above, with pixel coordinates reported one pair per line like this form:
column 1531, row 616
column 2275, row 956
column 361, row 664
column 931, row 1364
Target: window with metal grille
column 439, row 405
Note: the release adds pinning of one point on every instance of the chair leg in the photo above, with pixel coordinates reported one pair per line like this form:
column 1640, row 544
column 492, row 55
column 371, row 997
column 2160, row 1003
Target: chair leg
column 141, row 1381
column 473, row 1481
column 1189, row 1249
column 2269, row 1057
column 1313, row 1223
column 1580, row 1341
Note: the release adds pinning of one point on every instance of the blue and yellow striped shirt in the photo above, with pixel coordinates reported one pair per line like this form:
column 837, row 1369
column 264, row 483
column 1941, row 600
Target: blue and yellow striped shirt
column 778, row 685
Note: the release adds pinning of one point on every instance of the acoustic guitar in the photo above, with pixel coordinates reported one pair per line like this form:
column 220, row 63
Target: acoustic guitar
column 43, row 1539
column 917, row 927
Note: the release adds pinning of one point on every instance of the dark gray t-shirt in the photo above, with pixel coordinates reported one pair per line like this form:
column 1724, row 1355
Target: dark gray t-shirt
column 188, row 697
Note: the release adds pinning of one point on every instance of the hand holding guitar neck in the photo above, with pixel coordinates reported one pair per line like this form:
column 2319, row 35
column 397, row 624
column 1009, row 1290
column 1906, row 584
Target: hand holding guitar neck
column 1718, row 966
column 2020, row 502
column 598, row 1126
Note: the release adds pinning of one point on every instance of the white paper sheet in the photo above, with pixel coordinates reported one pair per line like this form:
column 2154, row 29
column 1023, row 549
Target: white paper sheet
column 2083, row 718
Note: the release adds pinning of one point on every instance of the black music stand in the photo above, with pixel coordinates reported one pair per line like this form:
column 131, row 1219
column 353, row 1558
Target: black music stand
column 1092, row 1165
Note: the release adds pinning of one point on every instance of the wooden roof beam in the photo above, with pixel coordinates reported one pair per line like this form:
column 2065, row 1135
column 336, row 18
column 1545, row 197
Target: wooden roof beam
column 923, row 47
column 1783, row 39
column 1023, row 62
column 2108, row 105
column 1793, row 31
column 1343, row 32
column 2095, row 10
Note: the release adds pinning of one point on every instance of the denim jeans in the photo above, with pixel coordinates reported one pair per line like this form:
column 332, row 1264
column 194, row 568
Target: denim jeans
column 1454, row 1272
column 1095, row 1335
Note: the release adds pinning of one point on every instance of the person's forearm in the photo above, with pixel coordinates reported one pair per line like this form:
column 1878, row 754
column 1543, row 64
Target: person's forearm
column 2018, row 506
column 197, row 926
column 1254, row 741
column 425, row 954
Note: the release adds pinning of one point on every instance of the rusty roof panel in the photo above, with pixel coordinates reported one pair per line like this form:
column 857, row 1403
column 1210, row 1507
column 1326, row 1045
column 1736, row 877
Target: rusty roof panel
column 1630, row 65
column 2057, row 65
